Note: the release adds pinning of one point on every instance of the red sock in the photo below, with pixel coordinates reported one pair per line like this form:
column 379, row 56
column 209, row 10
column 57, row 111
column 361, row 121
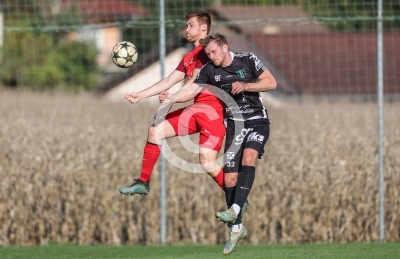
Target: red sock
column 219, row 178
column 150, row 156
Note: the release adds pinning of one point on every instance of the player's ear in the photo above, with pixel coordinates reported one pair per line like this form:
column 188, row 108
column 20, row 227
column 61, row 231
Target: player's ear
column 225, row 48
column 203, row 27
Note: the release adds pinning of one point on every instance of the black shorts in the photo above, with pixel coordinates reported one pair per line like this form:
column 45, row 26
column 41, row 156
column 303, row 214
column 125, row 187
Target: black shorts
column 241, row 135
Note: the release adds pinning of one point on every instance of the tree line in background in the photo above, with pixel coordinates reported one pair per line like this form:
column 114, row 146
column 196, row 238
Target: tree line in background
column 36, row 54
column 38, row 58
column 34, row 60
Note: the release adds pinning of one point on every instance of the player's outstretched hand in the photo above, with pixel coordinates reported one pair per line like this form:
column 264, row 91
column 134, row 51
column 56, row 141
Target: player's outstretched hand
column 133, row 97
column 238, row 87
column 163, row 96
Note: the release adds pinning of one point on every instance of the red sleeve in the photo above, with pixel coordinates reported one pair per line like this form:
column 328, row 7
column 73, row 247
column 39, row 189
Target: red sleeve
column 180, row 67
column 202, row 59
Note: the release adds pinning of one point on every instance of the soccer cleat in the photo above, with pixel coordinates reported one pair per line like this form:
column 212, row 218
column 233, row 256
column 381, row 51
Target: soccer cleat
column 227, row 216
column 245, row 205
column 138, row 187
column 234, row 238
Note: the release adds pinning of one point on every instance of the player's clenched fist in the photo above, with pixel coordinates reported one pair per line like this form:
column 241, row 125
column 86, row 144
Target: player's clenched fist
column 168, row 100
column 163, row 96
column 133, row 97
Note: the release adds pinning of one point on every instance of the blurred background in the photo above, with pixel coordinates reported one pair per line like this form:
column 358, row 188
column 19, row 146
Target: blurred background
column 68, row 140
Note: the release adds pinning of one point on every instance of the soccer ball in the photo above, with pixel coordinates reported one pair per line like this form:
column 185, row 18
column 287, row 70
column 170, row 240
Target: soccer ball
column 124, row 54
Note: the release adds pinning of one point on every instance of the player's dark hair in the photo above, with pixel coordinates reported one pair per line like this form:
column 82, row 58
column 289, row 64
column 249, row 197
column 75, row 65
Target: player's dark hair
column 218, row 38
column 202, row 18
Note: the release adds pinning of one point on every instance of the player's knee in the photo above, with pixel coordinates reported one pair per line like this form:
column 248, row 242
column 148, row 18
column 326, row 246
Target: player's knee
column 205, row 166
column 249, row 160
column 208, row 165
column 153, row 135
column 208, row 161
column 230, row 179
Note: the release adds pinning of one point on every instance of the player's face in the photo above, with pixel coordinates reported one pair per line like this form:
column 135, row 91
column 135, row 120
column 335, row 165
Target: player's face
column 193, row 30
column 216, row 53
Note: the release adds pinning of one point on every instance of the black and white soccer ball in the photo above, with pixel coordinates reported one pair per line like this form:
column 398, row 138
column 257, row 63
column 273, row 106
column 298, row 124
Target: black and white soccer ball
column 124, row 54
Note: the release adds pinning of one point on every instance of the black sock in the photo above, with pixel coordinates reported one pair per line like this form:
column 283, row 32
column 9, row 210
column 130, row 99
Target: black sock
column 229, row 196
column 243, row 186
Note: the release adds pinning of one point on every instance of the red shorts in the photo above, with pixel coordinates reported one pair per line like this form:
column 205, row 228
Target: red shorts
column 199, row 118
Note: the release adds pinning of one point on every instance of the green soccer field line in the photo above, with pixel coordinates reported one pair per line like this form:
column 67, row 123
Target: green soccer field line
column 342, row 251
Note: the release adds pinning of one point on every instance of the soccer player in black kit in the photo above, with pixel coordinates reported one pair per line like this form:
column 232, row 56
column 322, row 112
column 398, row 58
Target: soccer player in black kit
column 241, row 76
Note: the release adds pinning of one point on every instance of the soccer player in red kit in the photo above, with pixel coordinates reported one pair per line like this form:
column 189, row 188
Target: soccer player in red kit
column 205, row 116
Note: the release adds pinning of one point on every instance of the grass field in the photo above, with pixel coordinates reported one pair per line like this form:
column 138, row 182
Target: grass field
column 342, row 251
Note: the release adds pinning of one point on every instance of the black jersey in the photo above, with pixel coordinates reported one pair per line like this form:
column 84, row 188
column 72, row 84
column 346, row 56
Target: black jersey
column 245, row 68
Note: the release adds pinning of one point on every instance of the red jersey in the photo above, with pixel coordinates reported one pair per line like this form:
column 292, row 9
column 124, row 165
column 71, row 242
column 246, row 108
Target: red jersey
column 197, row 58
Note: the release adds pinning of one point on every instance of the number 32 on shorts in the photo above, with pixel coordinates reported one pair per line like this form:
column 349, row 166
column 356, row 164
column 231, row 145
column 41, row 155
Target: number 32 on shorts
column 230, row 164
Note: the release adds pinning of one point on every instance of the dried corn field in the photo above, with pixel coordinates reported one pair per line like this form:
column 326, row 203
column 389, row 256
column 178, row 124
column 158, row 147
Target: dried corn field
column 63, row 159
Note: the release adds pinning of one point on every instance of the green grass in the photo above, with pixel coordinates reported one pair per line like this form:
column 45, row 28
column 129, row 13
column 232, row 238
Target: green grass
column 342, row 251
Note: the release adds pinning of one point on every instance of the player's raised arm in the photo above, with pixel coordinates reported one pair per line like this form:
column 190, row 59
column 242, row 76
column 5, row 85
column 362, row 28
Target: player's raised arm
column 159, row 87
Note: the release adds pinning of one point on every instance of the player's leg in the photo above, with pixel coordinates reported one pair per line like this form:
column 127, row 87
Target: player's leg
column 252, row 139
column 230, row 216
column 209, row 164
column 211, row 138
column 238, row 230
column 232, row 160
column 255, row 141
column 244, row 183
column 232, row 157
column 152, row 149
column 151, row 153
column 210, row 125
